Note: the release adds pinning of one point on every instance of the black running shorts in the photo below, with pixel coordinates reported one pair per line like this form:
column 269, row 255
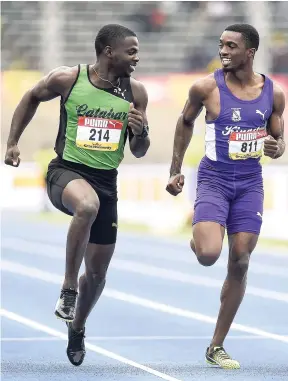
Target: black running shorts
column 104, row 182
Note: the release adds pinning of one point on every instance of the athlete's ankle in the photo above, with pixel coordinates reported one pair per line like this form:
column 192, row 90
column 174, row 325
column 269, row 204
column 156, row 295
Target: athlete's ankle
column 77, row 326
column 70, row 284
column 213, row 345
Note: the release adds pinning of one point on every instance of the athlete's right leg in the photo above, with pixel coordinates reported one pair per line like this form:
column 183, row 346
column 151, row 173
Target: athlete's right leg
column 210, row 215
column 73, row 195
column 80, row 199
column 211, row 210
column 207, row 241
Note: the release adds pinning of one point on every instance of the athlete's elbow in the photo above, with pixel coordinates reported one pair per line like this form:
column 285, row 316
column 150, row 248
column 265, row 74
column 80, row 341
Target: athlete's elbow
column 188, row 126
column 32, row 97
column 139, row 149
column 186, row 122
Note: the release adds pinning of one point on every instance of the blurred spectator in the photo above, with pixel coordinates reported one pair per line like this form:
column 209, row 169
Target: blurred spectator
column 157, row 19
column 197, row 60
column 185, row 24
column 150, row 17
column 200, row 59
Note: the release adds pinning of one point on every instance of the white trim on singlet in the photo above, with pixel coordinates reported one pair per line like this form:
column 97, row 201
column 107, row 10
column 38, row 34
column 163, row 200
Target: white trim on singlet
column 210, row 141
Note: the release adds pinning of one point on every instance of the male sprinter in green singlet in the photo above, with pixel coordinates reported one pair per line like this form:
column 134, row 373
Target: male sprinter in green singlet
column 100, row 107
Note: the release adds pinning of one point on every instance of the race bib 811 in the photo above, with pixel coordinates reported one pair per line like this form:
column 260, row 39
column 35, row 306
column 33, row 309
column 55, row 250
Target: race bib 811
column 245, row 145
column 98, row 134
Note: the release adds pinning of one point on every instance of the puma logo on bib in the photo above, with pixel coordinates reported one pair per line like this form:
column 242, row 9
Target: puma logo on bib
column 98, row 134
column 245, row 145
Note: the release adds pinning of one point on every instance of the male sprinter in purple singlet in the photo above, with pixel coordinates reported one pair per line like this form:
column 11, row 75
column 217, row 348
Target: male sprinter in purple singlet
column 244, row 116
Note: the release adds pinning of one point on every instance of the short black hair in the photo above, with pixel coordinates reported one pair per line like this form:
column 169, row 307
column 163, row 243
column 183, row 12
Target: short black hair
column 109, row 34
column 249, row 33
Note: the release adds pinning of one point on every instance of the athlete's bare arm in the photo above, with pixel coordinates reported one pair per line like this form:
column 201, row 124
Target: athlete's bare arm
column 184, row 130
column 57, row 83
column 274, row 145
column 137, row 118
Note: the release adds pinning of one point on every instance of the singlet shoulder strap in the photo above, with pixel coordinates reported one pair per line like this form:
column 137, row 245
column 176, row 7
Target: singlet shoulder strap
column 219, row 77
column 270, row 88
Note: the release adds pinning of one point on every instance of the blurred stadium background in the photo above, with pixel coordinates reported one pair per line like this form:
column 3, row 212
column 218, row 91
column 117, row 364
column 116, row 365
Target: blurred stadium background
column 178, row 44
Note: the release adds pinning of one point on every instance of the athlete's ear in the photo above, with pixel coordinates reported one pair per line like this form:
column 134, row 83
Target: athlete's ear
column 108, row 51
column 252, row 52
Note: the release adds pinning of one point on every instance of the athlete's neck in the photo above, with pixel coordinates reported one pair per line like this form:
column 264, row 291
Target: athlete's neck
column 241, row 77
column 103, row 72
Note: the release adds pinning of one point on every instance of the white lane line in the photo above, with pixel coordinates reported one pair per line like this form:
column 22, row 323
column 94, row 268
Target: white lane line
column 159, row 272
column 35, row 273
column 29, row 247
column 53, row 251
column 19, row 339
column 50, row 331
column 188, row 314
column 132, row 338
column 148, row 270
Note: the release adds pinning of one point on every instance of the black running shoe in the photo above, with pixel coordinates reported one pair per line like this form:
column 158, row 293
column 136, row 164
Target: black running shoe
column 76, row 347
column 65, row 306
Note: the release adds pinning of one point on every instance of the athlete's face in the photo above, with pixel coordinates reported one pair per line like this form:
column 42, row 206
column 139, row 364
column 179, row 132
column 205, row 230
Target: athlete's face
column 234, row 54
column 125, row 56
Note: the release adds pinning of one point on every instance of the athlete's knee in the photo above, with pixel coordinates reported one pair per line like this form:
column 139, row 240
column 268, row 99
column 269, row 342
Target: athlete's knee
column 96, row 273
column 87, row 209
column 207, row 256
column 207, row 242
column 95, row 278
column 239, row 264
column 239, row 257
column 207, row 259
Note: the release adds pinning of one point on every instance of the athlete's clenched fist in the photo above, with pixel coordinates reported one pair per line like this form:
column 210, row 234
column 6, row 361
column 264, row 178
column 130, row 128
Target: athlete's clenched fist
column 175, row 184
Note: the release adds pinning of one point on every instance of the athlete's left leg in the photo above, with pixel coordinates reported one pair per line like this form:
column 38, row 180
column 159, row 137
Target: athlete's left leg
column 243, row 228
column 92, row 282
column 241, row 246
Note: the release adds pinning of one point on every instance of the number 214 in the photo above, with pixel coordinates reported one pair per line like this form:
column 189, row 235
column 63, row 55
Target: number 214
column 93, row 133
